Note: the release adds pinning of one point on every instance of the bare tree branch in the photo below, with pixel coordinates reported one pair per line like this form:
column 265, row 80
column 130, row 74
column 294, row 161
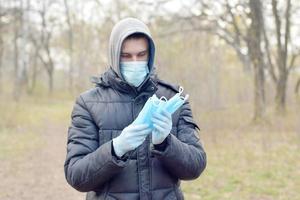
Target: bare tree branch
column 287, row 30
column 270, row 65
column 278, row 29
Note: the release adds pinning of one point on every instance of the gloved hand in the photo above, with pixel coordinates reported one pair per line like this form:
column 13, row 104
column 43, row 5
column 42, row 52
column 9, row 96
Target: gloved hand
column 131, row 137
column 162, row 123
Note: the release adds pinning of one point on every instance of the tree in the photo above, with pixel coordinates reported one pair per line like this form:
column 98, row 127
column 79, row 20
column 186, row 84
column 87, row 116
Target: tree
column 2, row 13
column 70, row 44
column 284, row 58
column 241, row 24
column 20, row 63
column 256, row 55
column 42, row 40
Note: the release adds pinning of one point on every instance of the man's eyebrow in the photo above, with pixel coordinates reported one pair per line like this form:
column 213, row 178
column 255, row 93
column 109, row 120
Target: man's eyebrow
column 143, row 51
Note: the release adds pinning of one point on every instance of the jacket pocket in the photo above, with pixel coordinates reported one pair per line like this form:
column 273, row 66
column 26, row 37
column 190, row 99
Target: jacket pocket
column 161, row 177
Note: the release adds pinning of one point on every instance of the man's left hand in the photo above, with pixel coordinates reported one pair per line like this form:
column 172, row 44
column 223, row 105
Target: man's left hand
column 162, row 123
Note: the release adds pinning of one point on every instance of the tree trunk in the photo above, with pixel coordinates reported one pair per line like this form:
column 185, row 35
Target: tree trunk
column 259, row 92
column 282, row 54
column 256, row 55
column 17, row 83
column 297, row 87
column 280, row 98
column 31, row 87
column 1, row 57
column 50, row 76
column 70, row 46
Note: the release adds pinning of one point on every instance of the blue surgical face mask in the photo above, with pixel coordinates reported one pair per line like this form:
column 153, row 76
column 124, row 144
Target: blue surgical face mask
column 154, row 105
column 176, row 101
column 146, row 113
column 134, row 72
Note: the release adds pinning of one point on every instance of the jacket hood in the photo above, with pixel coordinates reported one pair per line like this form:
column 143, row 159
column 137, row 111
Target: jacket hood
column 120, row 32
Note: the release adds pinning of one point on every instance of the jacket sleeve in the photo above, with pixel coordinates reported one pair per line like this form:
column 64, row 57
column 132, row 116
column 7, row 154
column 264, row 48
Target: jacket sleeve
column 88, row 166
column 183, row 156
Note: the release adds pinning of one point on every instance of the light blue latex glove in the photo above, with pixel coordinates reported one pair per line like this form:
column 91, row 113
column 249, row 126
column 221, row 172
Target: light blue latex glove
column 130, row 138
column 162, row 123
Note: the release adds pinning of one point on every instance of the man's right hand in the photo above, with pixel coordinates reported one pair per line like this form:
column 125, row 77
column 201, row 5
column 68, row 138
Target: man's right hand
column 131, row 137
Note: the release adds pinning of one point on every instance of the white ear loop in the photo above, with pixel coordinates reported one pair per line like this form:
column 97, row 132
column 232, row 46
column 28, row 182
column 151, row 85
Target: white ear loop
column 163, row 98
column 180, row 92
column 180, row 89
column 156, row 102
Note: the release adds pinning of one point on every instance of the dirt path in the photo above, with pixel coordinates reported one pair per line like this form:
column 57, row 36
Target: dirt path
column 39, row 175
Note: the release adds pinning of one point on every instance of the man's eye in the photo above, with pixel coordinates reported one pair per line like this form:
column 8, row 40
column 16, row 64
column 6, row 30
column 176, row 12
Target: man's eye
column 125, row 55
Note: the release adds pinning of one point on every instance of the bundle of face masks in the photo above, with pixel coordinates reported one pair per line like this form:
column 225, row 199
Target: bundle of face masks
column 154, row 104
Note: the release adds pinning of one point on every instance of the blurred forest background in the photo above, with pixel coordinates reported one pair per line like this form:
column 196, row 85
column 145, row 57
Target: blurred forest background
column 239, row 60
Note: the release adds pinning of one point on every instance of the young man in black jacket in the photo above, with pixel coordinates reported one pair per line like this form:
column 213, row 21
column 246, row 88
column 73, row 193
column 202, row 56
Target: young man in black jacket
column 108, row 156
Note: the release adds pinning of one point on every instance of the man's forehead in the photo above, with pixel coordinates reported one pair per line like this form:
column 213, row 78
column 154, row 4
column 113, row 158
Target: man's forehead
column 134, row 45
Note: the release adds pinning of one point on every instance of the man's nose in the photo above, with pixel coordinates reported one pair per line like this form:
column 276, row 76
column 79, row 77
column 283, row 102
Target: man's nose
column 134, row 58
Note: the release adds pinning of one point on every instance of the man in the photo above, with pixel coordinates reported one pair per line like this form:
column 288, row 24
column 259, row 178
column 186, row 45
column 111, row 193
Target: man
column 109, row 157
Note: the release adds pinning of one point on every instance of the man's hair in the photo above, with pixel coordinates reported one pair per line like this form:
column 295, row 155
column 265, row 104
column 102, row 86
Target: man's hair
column 137, row 36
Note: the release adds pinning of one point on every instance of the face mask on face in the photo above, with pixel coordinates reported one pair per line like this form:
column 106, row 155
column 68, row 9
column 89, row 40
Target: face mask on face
column 134, row 72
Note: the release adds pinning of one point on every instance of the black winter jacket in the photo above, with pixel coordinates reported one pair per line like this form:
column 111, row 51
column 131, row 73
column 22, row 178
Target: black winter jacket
column 148, row 172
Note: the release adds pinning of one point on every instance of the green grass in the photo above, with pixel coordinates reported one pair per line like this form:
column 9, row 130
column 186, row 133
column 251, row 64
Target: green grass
column 14, row 143
column 249, row 162
column 22, row 124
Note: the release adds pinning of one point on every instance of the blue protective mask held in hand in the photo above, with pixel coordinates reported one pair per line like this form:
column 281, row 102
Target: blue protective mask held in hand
column 154, row 104
column 134, row 72
column 146, row 113
column 175, row 102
